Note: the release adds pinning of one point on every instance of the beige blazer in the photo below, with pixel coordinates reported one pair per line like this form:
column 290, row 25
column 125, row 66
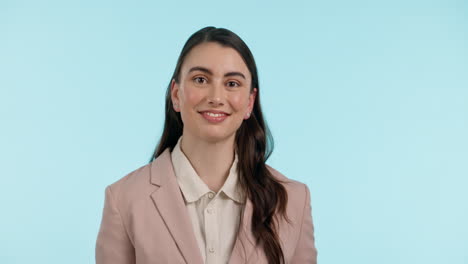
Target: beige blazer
column 145, row 221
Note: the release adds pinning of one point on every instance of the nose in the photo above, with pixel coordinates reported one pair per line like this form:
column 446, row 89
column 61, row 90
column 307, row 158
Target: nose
column 215, row 96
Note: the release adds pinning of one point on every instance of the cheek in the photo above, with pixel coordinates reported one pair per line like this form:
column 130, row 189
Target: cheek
column 191, row 96
column 239, row 102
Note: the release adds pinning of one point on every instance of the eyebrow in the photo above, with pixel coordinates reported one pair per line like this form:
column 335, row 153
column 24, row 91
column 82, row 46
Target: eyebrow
column 205, row 70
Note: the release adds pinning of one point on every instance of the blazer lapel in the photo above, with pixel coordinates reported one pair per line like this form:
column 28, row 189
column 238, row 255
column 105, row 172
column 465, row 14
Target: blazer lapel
column 171, row 206
column 245, row 242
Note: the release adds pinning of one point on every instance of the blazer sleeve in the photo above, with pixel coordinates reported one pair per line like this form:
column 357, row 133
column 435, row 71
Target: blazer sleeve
column 305, row 251
column 113, row 246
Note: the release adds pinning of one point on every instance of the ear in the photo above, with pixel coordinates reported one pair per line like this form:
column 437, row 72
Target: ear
column 250, row 106
column 175, row 95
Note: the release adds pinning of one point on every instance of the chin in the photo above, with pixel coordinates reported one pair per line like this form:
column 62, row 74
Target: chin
column 213, row 136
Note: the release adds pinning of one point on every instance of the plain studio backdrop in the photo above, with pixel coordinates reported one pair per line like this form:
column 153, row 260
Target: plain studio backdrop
column 367, row 102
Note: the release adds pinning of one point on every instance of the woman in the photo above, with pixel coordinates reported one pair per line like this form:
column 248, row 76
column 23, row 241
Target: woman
column 207, row 195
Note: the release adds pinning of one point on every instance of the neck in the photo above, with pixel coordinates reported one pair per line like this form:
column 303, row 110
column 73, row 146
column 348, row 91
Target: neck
column 211, row 160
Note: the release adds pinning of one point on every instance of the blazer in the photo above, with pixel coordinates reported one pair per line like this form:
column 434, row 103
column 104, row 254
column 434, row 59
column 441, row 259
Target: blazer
column 145, row 221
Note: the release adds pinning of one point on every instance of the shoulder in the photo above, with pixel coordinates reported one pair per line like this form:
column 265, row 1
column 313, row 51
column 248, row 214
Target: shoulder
column 132, row 180
column 132, row 186
column 143, row 180
column 295, row 189
column 297, row 208
column 298, row 194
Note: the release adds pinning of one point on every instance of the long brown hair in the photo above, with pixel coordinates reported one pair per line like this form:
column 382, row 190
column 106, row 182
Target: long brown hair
column 254, row 145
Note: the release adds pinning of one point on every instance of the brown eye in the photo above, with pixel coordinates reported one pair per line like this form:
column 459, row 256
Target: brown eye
column 199, row 80
column 233, row 84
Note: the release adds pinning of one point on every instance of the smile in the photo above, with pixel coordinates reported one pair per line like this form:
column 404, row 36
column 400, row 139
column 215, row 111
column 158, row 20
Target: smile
column 214, row 117
column 213, row 114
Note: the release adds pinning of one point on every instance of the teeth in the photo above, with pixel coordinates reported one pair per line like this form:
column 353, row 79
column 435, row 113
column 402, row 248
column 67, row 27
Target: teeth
column 214, row 115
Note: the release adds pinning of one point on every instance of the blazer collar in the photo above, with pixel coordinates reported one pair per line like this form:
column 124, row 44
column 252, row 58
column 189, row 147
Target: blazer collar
column 170, row 204
column 244, row 245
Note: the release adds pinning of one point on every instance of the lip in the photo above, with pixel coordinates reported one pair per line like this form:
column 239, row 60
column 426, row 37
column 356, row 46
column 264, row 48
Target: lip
column 214, row 119
column 214, row 112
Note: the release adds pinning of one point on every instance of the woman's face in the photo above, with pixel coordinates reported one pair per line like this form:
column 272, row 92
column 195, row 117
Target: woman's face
column 213, row 94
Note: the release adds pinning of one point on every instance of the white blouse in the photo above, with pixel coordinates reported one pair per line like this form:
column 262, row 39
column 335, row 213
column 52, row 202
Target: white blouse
column 215, row 216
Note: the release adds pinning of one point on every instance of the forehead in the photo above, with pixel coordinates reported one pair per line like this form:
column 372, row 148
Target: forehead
column 215, row 57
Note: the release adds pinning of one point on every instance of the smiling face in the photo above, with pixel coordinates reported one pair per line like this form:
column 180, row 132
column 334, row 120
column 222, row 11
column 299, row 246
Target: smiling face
column 213, row 94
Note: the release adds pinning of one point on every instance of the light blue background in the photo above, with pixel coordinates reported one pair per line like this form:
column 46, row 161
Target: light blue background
column 367, row 102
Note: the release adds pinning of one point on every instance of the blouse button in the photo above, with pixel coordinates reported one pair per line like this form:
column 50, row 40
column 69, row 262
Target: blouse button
column 211, row 250
column 210, row 195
